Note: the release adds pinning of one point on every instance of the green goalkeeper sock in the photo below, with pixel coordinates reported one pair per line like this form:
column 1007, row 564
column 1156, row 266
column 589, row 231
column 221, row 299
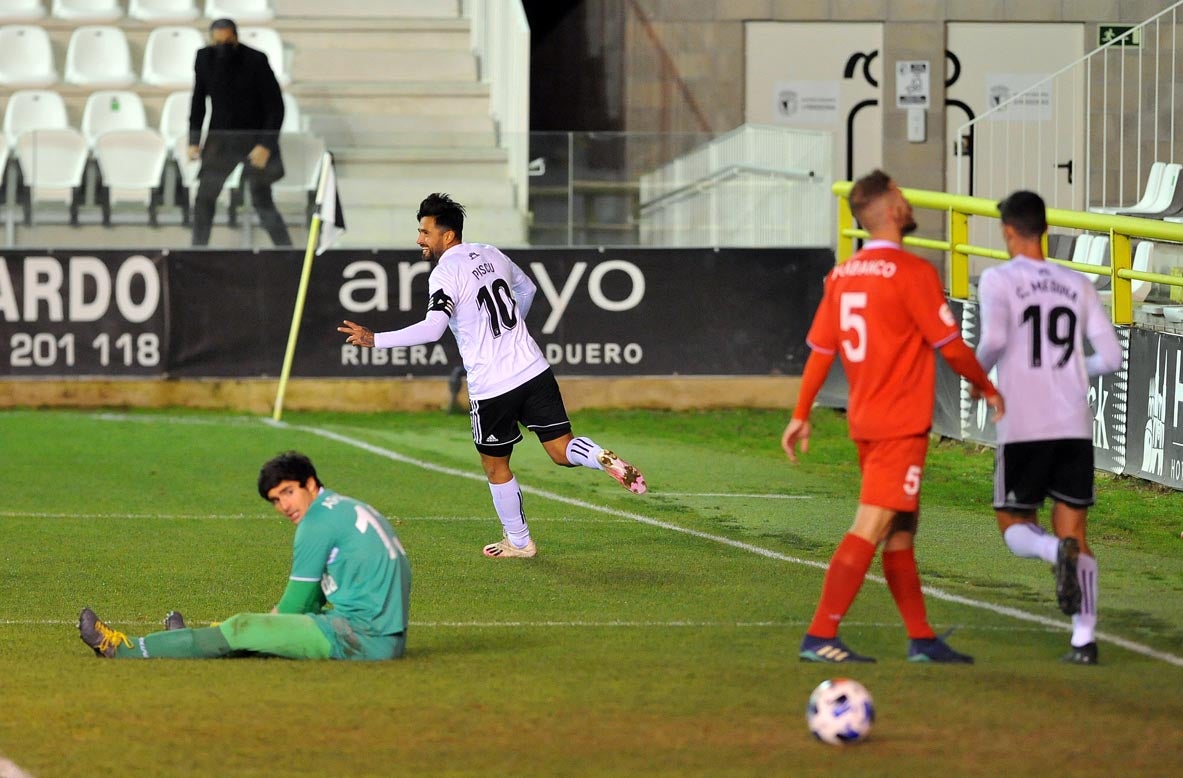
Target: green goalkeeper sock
column 207, row 643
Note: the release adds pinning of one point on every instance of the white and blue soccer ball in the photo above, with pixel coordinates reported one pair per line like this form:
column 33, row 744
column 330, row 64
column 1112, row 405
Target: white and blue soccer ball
column 840, row 712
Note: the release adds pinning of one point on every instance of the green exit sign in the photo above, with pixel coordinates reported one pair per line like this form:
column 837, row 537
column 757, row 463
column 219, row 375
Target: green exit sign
column 1108, row 33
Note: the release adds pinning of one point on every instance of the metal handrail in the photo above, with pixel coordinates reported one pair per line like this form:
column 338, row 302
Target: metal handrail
column 719, row 175
column 1121, row 229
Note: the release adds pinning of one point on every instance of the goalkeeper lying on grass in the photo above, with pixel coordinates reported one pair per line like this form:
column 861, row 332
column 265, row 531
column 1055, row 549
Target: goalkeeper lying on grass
column 346, row 598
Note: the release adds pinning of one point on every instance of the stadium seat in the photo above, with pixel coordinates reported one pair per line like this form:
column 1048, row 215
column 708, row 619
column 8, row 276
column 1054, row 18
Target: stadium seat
column 162, row 11
column 131, row 169
column 292, row 120
column 1153, row 179
column 1164, row 196
column 169, row 56
column 33, row 109
column 21, row 11
column 99, row 57
column 52, row 163
column 112, row 110
column 1098, row 256
column 1143, row 256
column 302, row 154
column 174, row 117
column 26, row 57
column 270, row 43
column 241, row 11
column 87, row 10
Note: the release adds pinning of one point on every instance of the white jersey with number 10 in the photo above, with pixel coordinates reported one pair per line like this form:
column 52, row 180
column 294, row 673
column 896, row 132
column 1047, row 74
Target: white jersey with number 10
column 486, row 297
column 1036, row 317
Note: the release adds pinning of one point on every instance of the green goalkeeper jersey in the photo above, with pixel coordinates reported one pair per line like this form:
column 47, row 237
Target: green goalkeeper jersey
column 362, row 568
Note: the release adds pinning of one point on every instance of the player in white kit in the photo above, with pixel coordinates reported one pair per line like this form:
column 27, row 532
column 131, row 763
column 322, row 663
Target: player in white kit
column 484, row 297
column 1036, row 317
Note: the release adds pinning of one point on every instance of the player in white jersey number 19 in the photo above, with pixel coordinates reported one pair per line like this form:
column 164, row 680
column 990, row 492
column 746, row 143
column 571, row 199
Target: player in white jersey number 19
column 483, row 297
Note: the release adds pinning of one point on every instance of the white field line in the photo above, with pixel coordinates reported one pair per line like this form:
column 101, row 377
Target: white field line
column 935, row 593
column 557, row 624
column 10, row 769
column 273, row 517
column 736, row 496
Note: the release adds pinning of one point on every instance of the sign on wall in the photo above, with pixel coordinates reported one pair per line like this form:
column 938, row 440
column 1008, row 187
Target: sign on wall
column 1025, row 106
column 807, row 102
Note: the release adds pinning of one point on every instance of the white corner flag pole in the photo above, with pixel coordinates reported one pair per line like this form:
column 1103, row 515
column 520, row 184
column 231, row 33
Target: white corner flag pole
column 301, row 296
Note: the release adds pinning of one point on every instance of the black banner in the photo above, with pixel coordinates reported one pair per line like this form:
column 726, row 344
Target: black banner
column 83, row 313
column 597, row 312
column 1154, row 449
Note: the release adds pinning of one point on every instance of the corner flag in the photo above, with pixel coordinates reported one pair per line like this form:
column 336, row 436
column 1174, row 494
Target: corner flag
column 328, row 224
column 332, row 217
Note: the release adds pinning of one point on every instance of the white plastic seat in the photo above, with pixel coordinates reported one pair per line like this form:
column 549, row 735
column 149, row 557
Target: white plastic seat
column 270, row 43
column 131, row 166
column 1143, row 256
column 26, row 57
column 98, row 56
column 1098, row 256
column 169, row 56
column 174, row 117
column 1080, row 249
column 241, row 11
column 302, row 153
column 1153, row 181
column 33, row 109
column 292, row 119
column 1165, row 194
column 21, row 11
column 162, row 11
column 87, row 10
column 191, row 168
column 112, row 110
column 52, row 164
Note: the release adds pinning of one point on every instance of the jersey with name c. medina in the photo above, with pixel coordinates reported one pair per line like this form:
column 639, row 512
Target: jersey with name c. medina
column 1036, row 317
column 486, row 297
column 884, row 311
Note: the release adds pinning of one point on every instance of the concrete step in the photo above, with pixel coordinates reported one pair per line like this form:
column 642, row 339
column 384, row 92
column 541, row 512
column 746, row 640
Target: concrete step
column 399, row 163
column 310, row 66
column 338, row 130
column 378, row 226
column 476, row 193
column 406, row 35
column 405, row 99
column 390, row 9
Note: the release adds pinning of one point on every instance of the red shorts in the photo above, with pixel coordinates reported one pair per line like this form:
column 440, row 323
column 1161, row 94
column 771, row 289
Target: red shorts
column 892, row 470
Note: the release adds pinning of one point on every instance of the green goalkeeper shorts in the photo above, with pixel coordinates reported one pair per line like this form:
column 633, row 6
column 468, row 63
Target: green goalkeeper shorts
column 307, row 636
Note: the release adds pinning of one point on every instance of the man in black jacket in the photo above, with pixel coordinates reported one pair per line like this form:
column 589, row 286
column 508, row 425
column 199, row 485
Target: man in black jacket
column 244, row 127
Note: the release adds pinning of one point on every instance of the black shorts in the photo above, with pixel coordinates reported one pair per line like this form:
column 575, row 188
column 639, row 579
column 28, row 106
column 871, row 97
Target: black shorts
column 536, row 403
column 1028, row 471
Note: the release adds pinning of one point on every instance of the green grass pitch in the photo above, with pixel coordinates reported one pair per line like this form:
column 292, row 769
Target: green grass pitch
column 626, row 648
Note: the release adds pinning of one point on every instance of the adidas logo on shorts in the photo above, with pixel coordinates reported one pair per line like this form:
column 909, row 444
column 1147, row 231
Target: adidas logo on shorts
column 492, row 439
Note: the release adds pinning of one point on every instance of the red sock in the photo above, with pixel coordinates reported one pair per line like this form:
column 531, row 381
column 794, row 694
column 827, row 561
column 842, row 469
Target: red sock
column 848, row 567
column 899, row 568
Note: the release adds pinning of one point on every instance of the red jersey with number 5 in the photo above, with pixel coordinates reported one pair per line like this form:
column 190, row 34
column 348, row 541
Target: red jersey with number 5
column 884, row 312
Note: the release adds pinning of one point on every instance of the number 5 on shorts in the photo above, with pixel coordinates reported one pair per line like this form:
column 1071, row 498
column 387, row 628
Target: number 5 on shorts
column 912, row 481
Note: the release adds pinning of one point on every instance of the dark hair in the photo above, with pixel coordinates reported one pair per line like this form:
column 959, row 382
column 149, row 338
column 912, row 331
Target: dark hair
column 1025, row 212
column 288, row 466
column 448, row 213
column 867, row 190
column 224, row 24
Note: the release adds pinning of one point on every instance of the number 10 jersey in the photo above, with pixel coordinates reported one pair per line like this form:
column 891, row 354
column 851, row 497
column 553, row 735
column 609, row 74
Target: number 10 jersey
column 486, row 297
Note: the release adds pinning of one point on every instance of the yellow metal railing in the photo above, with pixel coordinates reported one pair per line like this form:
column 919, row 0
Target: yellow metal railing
column 960, row 208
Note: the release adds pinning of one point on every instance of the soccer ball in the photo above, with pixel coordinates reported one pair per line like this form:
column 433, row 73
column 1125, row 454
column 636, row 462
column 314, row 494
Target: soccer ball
column 840, row 711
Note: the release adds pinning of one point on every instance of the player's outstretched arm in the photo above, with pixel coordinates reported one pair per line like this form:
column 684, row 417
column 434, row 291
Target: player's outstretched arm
column 964, row 363
column 429, row 330
column 817, row 367
column 357, row 334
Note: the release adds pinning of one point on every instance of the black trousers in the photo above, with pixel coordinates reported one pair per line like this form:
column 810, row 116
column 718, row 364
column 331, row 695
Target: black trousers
column 218, row 159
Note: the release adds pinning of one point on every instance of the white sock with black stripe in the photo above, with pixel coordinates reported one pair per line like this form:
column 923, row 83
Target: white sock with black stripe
column 507, row 500
column 1030, row 541
column 585, row 452
column 1085, row 622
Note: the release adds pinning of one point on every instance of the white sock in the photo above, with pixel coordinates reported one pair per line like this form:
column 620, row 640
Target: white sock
column 1085, row 622
column 585, row 452
column 507, row 499
column 1030, row 541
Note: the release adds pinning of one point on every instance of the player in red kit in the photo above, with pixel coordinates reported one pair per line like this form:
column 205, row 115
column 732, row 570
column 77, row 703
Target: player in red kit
column 885, row 311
